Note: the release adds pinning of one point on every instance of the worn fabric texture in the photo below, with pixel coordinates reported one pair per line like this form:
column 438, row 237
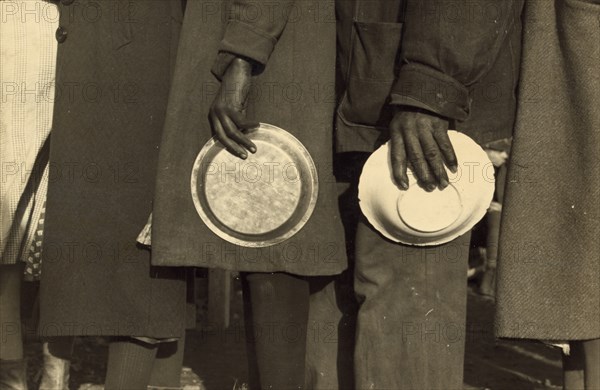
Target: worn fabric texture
column 292, row 89
column 113, row 75
column 548, row 265
column 443, row 57
column 27, row 71
column 457, row 59
column 412, row 319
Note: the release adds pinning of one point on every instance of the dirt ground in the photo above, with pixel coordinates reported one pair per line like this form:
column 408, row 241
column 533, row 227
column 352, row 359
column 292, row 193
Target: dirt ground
column 219, row 358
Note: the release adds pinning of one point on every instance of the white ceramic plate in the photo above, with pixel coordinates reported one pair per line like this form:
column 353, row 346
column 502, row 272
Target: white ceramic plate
column 417, row 217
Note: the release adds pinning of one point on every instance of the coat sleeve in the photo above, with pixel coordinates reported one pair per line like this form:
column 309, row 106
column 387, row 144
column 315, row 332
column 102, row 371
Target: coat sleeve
column 447, row 47
column 252, row 31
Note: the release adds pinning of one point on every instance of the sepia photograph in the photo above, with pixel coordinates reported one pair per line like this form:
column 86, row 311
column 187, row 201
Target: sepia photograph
column 300, row 194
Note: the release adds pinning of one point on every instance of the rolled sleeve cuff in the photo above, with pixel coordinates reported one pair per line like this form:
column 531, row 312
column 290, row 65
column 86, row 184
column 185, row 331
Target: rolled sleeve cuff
column 245, row 40
column 420, row 86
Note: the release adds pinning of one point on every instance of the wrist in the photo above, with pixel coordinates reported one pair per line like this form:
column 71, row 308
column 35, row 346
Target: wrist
column 241, row 64
column 228, row 62
column 401, row 108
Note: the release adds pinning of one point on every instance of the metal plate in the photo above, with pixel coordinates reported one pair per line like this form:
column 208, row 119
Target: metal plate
column 260, row 201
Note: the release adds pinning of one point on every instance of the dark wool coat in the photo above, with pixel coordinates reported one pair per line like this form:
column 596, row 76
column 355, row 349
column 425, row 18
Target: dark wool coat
column 114, row 66
column 549, row 263
column 294, row 91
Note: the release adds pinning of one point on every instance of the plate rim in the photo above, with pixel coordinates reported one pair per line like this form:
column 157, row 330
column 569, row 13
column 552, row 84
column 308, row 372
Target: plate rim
column 311, row 205
column 429, row 239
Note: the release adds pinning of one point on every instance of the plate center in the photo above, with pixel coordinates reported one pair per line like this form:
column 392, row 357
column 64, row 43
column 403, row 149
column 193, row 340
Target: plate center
column 257, row 195
column 429, row 211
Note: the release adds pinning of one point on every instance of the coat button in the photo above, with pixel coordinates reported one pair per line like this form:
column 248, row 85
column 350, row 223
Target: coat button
column 67, row 2
column 61, row 34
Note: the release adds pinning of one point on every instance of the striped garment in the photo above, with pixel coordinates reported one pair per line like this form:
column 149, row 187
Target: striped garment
column 27, row 71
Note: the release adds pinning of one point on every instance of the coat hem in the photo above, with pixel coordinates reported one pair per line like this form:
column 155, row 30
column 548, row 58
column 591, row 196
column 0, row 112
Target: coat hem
column 186, row 261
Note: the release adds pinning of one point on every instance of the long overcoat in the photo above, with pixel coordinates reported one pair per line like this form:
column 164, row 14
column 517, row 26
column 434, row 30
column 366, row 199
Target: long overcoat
column 294, row 91
column 114, row 67
column 549, row 267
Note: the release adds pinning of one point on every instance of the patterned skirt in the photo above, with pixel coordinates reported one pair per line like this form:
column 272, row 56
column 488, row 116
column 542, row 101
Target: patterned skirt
column 27, row 74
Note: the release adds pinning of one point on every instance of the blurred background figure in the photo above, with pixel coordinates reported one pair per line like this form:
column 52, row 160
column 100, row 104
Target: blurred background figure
column 549, row 268
column 498, row 154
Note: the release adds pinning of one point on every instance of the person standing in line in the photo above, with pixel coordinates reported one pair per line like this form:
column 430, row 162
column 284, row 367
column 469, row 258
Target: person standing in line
column 548, row 283
column 27, row 72
column 409, row 71
column 273, row 62
column 114, row 67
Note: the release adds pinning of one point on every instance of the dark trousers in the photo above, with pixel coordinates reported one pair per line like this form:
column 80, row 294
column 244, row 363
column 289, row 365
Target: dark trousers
column 411, row 320
column 410, row 329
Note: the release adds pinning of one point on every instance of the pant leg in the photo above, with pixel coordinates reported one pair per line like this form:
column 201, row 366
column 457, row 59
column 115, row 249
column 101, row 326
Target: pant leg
column 279, row 317
column 411, row 320
column 332, row 314
column 330, row 338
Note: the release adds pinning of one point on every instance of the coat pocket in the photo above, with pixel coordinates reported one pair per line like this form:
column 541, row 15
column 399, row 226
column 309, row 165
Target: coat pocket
column 372, row 72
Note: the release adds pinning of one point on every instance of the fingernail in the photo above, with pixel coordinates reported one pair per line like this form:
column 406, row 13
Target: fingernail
column 444, row 183
column 430, row 187
column 252, row 149
column 403, row 185
column 453, row 169
column 243, row 156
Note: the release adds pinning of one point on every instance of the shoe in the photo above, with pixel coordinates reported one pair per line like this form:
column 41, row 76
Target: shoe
column 55, row 372
column 13, row 375
column 190, row 380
